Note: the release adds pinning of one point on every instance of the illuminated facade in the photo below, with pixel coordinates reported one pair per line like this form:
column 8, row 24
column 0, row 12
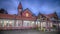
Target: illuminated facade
column 25, row 20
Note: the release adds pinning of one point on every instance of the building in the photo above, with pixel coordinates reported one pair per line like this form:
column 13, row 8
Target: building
column 47, row 21
column 24, row 20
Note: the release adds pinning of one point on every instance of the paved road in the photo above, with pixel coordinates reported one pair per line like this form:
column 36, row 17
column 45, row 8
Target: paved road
column 25, row 32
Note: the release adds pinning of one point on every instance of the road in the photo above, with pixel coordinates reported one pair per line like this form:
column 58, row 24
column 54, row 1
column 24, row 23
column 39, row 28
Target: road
column 25, row 32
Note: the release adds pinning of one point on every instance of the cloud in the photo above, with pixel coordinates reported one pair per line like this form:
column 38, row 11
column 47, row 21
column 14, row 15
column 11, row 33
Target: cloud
column 44, row 6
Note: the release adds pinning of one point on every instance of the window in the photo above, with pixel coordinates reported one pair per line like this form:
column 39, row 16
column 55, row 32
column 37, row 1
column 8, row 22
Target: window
column 59, row 24
column 51, row 24
column 11, row 23
column 26, row 23
column 32, row 23
column 1, row 23
column 7, row 23
column 43, row 24
column 27, row 14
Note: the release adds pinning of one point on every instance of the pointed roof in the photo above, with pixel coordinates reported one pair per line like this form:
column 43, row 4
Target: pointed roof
column 28, row 10
column 55, row 14
column 20, row 6
column 40, row 14
column 49, row 15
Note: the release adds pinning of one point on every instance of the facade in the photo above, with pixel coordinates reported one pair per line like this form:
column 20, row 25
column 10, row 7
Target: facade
column 26, row 20
column 47, row 21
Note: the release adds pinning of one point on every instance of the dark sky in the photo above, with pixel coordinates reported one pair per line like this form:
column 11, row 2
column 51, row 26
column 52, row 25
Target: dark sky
column 36, row 6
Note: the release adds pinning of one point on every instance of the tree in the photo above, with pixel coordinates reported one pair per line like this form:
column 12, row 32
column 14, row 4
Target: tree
column 3, row 11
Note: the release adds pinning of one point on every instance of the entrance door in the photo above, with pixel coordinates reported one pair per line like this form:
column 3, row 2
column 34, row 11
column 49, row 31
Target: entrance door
column 26, row 23
column 19, row 23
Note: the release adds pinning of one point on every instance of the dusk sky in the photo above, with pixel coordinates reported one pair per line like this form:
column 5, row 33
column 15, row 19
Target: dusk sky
column 36, row 6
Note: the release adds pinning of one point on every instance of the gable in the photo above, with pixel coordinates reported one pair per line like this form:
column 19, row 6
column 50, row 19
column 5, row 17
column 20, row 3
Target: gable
column 27, row 13
column 41, row 16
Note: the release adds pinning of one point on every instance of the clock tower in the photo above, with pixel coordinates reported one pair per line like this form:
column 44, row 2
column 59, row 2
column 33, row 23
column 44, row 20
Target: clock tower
column 20, row 9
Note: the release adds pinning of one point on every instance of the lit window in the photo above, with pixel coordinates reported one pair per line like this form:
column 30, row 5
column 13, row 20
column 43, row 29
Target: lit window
column 32, row 22
column 10, row 22
column 27, row 14
column 1, row 22
column 5, row 23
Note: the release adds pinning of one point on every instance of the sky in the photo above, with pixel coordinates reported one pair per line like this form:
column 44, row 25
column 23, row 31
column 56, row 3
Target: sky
column 36, row 6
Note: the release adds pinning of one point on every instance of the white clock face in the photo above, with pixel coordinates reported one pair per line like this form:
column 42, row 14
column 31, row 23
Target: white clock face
column 20, row 10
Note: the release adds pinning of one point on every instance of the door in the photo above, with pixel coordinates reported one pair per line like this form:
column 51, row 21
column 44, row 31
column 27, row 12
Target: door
column 26, row 23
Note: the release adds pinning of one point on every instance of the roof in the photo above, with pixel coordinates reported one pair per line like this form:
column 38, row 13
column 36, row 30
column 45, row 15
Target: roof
column 8, row 16
column 49, row 15
column 29, row 12
column 20, row 6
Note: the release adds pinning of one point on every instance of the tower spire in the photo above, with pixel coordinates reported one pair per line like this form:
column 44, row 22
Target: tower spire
column 20, row 9
column 20, row 6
